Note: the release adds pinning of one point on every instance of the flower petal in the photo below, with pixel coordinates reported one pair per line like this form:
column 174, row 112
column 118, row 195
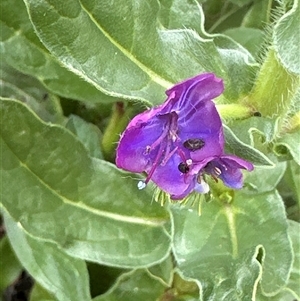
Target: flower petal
column 204, row 123
column 140, row 133
column 179, row 141
column 230, row 170
column 202, row 87
column 171, row 180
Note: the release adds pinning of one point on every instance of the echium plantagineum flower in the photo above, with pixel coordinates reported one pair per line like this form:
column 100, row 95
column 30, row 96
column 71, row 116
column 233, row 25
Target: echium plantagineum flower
column 180, row 141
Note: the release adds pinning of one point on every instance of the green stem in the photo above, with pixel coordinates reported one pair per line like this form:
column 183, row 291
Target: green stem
column 293, row 124
column 118, row 121
column 274, row 89
column 235, row 111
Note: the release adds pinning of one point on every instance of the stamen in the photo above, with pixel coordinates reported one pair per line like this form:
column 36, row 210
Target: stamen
column 165, row 152
column 181, row 154
column 155, row 163
column 202, row 186
column 215, row 178
column 141, row 185
column 147, row 150
column 189, row 162
column 169, row 155
column 159, row 139
column 217, row 171
column 199, row 178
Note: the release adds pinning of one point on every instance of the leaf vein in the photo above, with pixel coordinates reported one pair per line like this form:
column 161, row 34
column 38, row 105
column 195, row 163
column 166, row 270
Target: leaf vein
column 154, row 76
column 82, row 206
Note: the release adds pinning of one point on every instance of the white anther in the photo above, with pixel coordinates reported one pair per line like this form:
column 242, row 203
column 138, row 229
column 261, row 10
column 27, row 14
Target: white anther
column 205, row 187
column 147, row 150
column 201, row 186
column 141, row 185
column 189, row 162
column 173, row 137
column 217, row 171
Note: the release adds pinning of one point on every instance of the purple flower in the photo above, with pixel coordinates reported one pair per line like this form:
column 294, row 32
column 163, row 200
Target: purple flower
column 227, row 168
column 181, row 140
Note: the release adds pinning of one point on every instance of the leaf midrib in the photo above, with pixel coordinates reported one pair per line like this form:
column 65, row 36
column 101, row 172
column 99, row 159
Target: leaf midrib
column 80, row 205
column 154, row 76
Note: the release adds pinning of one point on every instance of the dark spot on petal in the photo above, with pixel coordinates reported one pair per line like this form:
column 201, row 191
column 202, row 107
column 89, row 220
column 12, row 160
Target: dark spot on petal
column 183, row 167
column 193, row 144
column 257, row 114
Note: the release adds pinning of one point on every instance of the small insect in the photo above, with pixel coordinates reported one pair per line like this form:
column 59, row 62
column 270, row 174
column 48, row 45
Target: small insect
column 183, row 167
column 193, row 144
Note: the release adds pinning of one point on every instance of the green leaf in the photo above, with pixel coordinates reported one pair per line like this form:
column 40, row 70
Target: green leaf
column 293, row 180
column 286, row 39
column 222, row 15
column 284, row 295
column 65, row 277
column 240, row 67
column 294, row 280
column 10, row 266
column 27, row 89
column 102, row 277
column 273, row 95
column 38, row 293
column 235, row 146
column 138, row 59
column 288, row 145
column 177, row 14
column 232, row 241
column 237, row 61
column 250, row 38
column 21, row 48
column 263, row 180
column 87, row 206
column 289, row 189
column 163, row 271
column 184, row 289
column 87, row 133
column 240, row 2
column 292, row 289
column 246, row 129
column 258, row 15
column 135, row 285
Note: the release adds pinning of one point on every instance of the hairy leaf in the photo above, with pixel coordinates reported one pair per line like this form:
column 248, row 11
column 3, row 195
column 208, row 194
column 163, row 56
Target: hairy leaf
column 27, row 89
column 38, row 293
column 294, row 280
column 21, row 48
column 10, row 267
column 241, row 149
column 286, row 39
column 87, row 133
column 292, row 290
column 250, row 38
column 235, row 242
column 264, row 179
column 65, row 277
column 135, row 285
column 135, row 57
column 88, row 207
column 288, row 145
